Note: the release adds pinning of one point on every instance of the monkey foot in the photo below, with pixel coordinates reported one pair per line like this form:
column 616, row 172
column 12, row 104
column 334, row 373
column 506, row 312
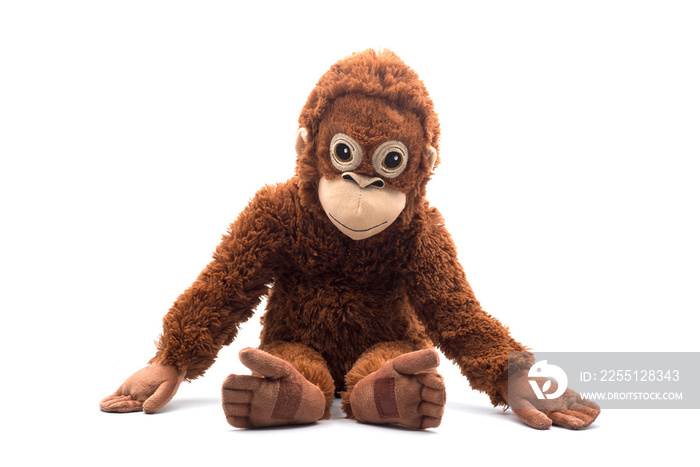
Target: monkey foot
column 405, row 391
column 277, row 395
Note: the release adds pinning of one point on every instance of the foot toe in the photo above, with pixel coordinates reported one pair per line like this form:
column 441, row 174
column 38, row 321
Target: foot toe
column 239, row 422
column 432, row 395
column 237, row 410
column 430, row 422
column 432, row 380
column 237, row 397
column 431, row 410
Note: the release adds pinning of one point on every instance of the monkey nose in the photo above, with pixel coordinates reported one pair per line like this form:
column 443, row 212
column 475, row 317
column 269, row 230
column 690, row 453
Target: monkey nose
column 363, row 181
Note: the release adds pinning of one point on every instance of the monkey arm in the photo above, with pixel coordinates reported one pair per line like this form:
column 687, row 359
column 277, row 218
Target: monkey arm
column 208, row 314
column 454, row 319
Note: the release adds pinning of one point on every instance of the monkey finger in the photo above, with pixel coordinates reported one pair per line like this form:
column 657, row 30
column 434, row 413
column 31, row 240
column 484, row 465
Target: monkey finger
column 415, row 362
column 114, row 397
column 529, row 415
column 120, row 403
column 264, row 364
column 588, row 403
column 585, row 418
column 568, row 421
column 164, row 394
column 593, row 413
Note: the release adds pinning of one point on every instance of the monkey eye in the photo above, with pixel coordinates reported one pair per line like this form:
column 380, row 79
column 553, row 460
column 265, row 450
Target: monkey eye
column 390, row 159
column 346, row 153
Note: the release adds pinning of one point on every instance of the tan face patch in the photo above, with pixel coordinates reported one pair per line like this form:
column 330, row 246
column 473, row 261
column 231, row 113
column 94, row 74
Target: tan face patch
column 360, row 211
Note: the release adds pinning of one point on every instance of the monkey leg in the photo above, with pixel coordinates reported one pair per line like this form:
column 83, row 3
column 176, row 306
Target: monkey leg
column 290, row 384
column 393, row 383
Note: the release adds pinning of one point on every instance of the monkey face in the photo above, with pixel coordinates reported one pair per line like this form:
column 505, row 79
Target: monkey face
column 372, row 159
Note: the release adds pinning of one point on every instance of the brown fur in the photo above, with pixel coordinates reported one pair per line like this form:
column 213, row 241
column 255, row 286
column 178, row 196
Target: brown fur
column 332, row 296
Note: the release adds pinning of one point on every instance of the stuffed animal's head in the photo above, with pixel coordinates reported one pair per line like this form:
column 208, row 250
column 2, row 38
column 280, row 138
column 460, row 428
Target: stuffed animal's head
column 367, row 144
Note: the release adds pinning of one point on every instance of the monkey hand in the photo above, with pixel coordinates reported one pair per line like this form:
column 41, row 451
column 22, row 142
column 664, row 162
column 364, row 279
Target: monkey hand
column 149, row 389
column 569, row 410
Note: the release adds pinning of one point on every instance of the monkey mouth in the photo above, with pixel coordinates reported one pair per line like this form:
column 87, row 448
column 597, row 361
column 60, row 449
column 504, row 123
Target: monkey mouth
column 356, row 230
column 359, row 208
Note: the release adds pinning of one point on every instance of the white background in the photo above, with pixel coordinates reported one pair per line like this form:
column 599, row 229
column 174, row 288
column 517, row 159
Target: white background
column 133, row 132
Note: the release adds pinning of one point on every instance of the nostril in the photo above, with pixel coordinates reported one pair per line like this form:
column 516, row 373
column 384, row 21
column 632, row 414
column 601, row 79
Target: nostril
column 362, row 180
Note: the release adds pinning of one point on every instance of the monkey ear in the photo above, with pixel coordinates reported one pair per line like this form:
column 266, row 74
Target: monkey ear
column 431, row 155
column 302, row 139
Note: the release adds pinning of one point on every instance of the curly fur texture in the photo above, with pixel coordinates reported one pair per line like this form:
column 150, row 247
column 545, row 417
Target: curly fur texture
column 373, row 74
column 331, row 296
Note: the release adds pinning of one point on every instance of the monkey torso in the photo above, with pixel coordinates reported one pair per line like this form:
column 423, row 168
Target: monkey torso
column 333, row 294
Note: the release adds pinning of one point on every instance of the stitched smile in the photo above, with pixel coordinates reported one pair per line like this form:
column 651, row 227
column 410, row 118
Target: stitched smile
column 355, row 230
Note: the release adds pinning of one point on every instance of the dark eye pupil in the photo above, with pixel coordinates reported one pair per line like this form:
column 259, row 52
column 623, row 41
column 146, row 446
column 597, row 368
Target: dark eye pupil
column 392, row 160
column 342, row 152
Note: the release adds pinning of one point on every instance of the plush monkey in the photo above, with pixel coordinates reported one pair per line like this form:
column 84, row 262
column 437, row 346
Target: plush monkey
column 361, row 277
